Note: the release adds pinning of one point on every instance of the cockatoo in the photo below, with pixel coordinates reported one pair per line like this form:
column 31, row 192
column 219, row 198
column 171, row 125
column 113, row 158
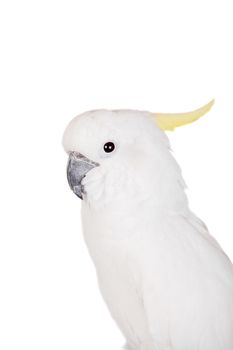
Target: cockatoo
column 166, row 281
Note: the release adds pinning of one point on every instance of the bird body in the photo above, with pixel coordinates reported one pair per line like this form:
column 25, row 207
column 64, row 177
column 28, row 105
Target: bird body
column 166, row 281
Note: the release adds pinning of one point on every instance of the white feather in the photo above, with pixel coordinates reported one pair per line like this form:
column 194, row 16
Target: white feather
column 166, row 281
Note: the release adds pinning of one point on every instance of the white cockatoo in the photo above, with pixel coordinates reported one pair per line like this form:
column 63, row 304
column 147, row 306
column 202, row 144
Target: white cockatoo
column 166, row 281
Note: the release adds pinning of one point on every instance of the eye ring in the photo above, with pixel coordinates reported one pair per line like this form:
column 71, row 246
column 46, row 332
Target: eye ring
column 109, row 147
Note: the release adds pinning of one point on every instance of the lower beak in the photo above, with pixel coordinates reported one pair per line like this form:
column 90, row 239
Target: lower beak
column 77, row 168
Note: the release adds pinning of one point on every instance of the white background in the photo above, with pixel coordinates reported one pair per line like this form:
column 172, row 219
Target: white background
column 58, row 59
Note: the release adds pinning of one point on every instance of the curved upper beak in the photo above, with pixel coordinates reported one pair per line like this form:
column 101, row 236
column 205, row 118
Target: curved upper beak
column 77, row 168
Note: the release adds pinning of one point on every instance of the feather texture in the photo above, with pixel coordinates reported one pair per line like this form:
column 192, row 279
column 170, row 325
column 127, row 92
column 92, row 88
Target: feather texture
column 166, row 281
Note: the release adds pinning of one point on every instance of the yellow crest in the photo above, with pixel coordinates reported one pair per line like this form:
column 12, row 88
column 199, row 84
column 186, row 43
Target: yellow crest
column 169, row 121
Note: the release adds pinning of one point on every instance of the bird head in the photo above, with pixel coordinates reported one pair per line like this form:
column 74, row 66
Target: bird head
column 119, row 155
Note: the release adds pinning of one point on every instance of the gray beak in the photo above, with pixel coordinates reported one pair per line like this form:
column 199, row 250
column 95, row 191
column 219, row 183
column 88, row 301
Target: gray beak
column 77, row 168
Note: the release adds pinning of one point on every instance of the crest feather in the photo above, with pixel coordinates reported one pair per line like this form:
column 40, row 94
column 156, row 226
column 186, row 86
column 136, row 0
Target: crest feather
column 170, row 121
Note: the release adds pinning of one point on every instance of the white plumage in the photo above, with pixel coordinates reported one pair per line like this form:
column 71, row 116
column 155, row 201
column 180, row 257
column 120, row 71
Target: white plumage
column 166, row 281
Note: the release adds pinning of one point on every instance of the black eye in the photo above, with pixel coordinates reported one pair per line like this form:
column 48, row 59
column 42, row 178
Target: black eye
column 109, row 147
